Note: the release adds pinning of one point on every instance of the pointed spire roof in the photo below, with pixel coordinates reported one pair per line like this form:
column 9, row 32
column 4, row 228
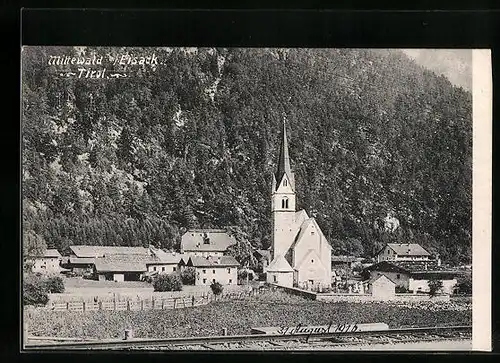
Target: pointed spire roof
column 284, row 158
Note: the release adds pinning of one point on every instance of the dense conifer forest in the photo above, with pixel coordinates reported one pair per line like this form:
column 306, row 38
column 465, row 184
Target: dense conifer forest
column 194, row 142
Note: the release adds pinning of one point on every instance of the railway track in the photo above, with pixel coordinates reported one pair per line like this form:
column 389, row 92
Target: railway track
column 269, row 342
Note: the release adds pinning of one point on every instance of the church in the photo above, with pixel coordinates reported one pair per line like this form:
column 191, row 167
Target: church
column 301, row 255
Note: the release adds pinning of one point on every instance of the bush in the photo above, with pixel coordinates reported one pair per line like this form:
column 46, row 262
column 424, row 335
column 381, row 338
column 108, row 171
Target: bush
column 401, row 290
column 55, row 285
column 171, row 282
column 465, row 286
column 435, row 286
column 188, row 275
column 216, row 288
column 34, row 290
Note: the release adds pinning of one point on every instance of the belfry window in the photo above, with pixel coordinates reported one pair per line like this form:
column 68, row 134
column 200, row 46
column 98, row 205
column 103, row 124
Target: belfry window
column 285, row 182
column 284, row 203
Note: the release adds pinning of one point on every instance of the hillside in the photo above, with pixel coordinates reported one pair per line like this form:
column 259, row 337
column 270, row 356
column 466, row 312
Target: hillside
column 194, row 143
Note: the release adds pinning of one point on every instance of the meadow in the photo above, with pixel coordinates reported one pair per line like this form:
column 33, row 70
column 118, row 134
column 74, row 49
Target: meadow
column 238, row 317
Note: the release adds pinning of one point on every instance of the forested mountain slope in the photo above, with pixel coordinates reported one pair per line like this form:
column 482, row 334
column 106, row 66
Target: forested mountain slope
column 194, row 142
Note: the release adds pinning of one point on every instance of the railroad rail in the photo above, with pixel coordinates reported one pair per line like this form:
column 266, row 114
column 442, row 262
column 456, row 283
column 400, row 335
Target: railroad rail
column 213, row 342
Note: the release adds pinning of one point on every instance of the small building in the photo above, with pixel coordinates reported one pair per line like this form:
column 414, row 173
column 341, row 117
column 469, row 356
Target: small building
column 113, row 269
column 343, row 262
column 48, row 263
column 206, row 242
column 280, row 272
column 78, row 265
column 165, row 262
column 382, row 288
column 403, row 252
column 413, row 276
column 419, row 281
column 222, row 269
column 399, row 275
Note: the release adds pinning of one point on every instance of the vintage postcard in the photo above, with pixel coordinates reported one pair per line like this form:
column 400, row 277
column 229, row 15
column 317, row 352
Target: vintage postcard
column 256, row 198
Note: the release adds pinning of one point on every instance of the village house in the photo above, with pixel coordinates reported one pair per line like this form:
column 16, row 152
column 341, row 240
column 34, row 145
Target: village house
column 206, row 242
column 301, row 254
column 403, row 252
column 109, row 263
column 222, row 269
column 413, row 276
column 48, row 263
column 382, row 287
column 164, row 262
column 78, row 265
column 118, row 269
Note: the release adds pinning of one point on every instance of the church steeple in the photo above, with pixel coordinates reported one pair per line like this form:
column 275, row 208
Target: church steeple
column 284, row 158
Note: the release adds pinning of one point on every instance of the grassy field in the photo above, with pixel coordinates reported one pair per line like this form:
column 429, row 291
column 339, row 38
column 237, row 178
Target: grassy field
column 268, row 309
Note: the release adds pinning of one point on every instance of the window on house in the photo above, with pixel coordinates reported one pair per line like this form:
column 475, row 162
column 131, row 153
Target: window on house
column 213, row 271
column 204, row 281
column 204, row 271
column 312, row 232
column 213, row 281
column 398, row 276
column 163, row 268
column 312, row 261
column 229, row 270
column 154, row 268
column 230, row 281
column 275, row 278
column 175, row 269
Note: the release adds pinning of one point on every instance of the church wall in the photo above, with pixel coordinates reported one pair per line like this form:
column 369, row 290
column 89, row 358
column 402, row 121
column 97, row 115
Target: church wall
column 280, row 278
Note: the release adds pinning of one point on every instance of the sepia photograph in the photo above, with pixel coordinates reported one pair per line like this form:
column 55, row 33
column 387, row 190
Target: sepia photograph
column 258, row 199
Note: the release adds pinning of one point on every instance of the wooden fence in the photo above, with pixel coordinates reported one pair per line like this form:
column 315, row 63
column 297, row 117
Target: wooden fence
column 152, row 304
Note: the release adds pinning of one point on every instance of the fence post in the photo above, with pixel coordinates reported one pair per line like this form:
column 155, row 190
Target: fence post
column 142, row 304
column 67, row 306
column 162, row 304
column 152, row 304
column 192, row 300
column 100, row 305
column 128, row 305
column 83, row 304
column 114, row 304
column 175, row 301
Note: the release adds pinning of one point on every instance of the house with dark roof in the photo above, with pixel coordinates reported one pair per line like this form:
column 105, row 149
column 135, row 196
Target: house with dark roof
column 403, row 252
column 206, row 242
column 48, row 263
column 222, row 269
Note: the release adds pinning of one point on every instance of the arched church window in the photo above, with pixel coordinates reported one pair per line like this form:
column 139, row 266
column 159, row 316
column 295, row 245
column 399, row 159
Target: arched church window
column 285, row 182
column 284, row 203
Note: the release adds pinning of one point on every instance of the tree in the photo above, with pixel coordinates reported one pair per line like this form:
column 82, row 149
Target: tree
column 170, row 282
column 33, row 246
column 54, row 285
column 465, row 285
column 435, row 287
column 34, row 290
column 188, row 276
column 217, row 288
